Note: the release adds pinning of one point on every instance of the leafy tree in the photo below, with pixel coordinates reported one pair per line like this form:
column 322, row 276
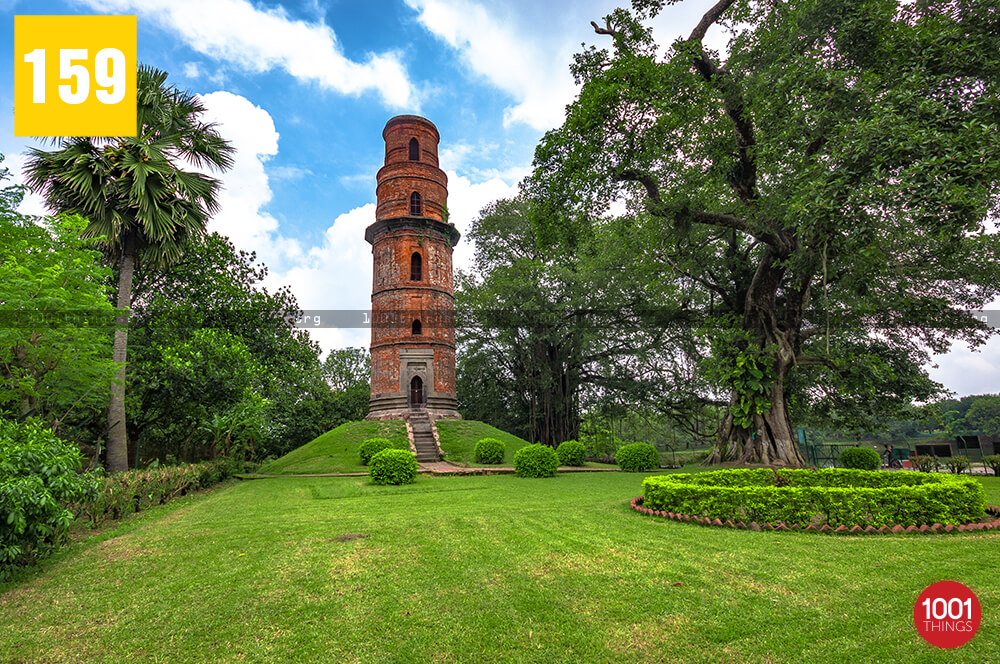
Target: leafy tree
column 56, row 316
column 826, row 183
column 345, row 368
column 545, row 334
column 348, row 372
column 984, row 414
column 138, row 198
column 207, row 307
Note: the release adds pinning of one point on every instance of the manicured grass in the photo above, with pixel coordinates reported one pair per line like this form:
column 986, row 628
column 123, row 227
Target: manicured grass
column 336, row 451
column 484, row 569
column 459, row 437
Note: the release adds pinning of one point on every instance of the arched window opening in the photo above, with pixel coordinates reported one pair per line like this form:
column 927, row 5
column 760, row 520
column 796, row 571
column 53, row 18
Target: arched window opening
column 414, row 150
column 416, row 205
column 416, row 263
column 417, row 328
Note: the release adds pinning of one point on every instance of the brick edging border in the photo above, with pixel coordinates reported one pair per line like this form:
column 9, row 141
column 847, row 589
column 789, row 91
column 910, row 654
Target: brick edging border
column 637, row 505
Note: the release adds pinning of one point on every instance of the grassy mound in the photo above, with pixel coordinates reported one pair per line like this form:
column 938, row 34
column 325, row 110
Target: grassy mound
column 459, row 437
column 336, row 451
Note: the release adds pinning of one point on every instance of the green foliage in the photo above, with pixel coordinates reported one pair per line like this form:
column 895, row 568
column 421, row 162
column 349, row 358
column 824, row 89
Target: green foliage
column 38, row 478
column 140, row 203
column 55, row 317
column 545, row 332
column 489, row 450
column 863, row 458
column 571, row 453
column 120, row 494
column 926, row 463
column 984, row 414
column 373, row 446
column 780, row 179
column 636, row 457
column 832, row 496
column 536, row 460
column 958, row 464
column 745, row 369
column 393, row 466
column 993, row 463
column 196, row 320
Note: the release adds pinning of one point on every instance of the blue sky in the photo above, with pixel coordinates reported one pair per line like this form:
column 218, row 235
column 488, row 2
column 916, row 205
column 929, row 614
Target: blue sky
column 303, row 88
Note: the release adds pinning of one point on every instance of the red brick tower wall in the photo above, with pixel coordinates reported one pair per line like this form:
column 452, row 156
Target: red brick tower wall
column 400, row 232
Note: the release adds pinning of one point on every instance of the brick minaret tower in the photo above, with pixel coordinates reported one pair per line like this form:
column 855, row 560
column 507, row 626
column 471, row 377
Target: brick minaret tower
column 413, row 293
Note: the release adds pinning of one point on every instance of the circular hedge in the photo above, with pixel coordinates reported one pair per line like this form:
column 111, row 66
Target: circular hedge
column 571, row 453
column 392, row 466
column 536, row 461
column 636, row 457
column 830, row 496
column 489, row 450
column 373, row 446
column 863, row 458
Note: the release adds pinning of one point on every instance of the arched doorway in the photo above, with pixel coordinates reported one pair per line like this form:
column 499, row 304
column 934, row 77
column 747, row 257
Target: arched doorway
column 416, row 391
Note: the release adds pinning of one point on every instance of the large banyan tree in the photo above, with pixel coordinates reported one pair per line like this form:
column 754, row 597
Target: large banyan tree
column 826, row 183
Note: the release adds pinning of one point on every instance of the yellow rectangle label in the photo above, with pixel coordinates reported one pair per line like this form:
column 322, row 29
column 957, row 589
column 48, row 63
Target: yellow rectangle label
column 74, row 75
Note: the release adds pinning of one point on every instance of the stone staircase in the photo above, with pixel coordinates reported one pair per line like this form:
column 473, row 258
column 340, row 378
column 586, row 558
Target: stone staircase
column 422, row 432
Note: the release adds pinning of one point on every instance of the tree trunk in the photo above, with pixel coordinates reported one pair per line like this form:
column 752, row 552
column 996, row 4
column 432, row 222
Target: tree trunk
column 117, row 435
column 770, row 441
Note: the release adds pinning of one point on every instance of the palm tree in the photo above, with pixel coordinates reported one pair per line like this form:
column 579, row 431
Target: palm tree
column 138, row 199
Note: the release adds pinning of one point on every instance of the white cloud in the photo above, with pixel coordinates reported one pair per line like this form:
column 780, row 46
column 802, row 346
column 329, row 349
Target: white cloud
column 288, row 172
column 465, row 200
column 192, row 70
column 336, row 275
column 246, row 190
column 532, row 68
column 260, row 40
column 967, row 372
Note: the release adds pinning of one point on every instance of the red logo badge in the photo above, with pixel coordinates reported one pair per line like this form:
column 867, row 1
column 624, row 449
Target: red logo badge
column 947, row 614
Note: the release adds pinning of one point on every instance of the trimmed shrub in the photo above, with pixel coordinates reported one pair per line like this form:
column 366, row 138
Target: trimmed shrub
column 38, row 479
column 832, row 496
column 571, row 453
column 862, row 458
column 536, row 461
column 489, row 450
column 925, row 463
column 958, row 463
column 393, row 466
column 123, row 493
column 993, row 463
column 373, row 446
column 636, row 457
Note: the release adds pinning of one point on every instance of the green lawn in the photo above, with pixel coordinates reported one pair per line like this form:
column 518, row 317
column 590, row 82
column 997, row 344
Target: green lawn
column 459, row 437
column 480, row 569
column 336, row 451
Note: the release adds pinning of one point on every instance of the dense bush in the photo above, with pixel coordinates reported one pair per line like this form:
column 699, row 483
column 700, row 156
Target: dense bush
column 925, row 463
column 123, row 493
column 373, row 446
column 636, row 457
column 536, row 461
column 571, row 453
column 958, row 463
column 832, row 496
column 489, row 450
column 38, row 478
column 393, row 466
column 993, row 463
column 862, row 458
